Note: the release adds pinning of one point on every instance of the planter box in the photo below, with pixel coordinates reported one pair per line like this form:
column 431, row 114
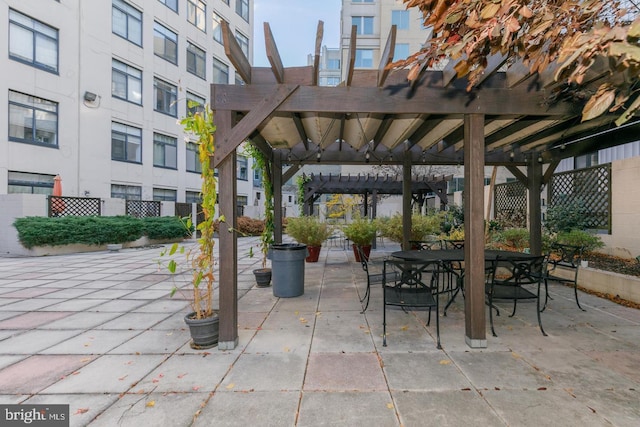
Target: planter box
column 77, row 248
column 626, row 287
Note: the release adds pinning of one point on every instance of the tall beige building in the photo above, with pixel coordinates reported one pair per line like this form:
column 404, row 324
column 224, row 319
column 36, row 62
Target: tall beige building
column 93, row 91
column 373, row 20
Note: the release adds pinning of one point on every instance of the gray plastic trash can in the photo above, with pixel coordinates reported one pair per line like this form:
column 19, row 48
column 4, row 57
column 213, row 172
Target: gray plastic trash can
column 287, row 267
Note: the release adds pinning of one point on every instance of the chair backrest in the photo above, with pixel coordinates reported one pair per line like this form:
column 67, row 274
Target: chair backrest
column 517, row 271
column 363, row 259
column 412, row 274
column 453, row 244
column 566, row 255
column 425, row 245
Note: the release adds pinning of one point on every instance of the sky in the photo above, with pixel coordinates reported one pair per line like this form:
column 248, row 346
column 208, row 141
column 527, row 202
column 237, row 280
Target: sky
column 294, row 24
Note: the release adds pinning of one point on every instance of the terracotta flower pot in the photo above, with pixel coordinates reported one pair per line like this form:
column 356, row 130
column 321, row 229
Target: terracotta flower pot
column 366, row 250
column 314, row 253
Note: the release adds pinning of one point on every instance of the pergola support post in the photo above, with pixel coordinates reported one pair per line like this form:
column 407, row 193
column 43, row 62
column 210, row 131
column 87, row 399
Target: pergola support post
column 534, row 171
column 228, row 285
column 406, row 203
column 277, row 199
column 474, row 302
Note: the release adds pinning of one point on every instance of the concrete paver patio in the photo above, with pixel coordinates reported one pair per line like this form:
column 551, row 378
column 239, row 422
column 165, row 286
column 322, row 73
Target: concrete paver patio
column 99, row 331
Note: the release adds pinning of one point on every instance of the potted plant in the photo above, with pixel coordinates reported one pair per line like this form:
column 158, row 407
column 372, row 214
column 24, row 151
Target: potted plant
column 203, row 320
column 361, row 232
column 310, row 231
column 263, row 275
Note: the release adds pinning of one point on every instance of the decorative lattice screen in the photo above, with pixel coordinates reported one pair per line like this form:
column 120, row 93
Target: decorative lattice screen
column 590, row 188
column 142, row 208
column 510, row 204
column 73, row 206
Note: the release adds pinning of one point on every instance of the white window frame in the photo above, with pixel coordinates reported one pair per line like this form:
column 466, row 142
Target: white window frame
column 33, row 42
column 165, row 43
column 196, row 61
column 34, row 117
column 197, row 14
column 165, row 151
column 364, row 24
column 132, row 138
column 132, row 20
column 132, row 81
column 165, row 97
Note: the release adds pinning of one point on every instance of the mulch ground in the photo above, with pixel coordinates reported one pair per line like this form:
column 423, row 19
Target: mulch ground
column 614, row 264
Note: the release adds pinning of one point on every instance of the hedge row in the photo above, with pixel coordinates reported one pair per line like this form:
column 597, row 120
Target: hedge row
column 96, row 230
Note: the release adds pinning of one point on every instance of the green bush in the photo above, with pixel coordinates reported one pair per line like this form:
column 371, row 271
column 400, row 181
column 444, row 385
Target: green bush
column 308, row 230
column 516, row 237
column 588, row 241
column 361, row 231
column 95, row 230
column 166, row 227
column 566, row 216
column 421, row 227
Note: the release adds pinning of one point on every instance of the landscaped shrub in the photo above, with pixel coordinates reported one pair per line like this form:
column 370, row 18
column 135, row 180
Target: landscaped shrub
column 566, row 216
column 166, row 227
column 588, row 241
column 96, row 230
column 250, row 226
column 421, row 227
column 516, row 237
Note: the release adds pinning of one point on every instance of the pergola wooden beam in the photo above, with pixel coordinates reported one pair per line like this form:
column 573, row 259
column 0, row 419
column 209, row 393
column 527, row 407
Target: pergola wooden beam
column 272, row 54
column 235, row 54
column 387, row 56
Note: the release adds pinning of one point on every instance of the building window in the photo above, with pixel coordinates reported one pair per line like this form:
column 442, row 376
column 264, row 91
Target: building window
column 196, row 60
column 333, row 64
column 126, row 22
column 165, row 151
column 195, row 104
column 364, row 24
column 329, row 81
column 217, row 28
column 164, row 195
column 171, row 4
column 193, row 158
column 220, row 72
column 126, row 82
column 165, row 43
column 197, row 14
column 32, row 42
column 165, row 97
column 401, row 51
column 33, row 120
column 243, row 169
column 400, row 18
column 242, row 9
column 126, row 143
column 243, row 41
column 128, row 192
column 364, row 58
column 30, row 183
column 193, row 197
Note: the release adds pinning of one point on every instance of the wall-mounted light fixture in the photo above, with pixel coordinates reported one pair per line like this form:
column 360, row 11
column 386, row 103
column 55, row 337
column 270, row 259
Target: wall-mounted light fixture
column 90, row 96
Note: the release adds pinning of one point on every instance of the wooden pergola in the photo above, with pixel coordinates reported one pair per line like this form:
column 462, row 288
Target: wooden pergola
column 372, row 185
column 375, row 116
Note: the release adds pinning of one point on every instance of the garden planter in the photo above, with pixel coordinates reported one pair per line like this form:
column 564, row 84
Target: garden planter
column 263, row 277
column 204, row 332
column 114, row 247
column 366, row 250
column 314, row 253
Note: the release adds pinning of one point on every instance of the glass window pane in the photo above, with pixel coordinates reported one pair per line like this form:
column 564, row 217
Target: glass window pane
column 21, row 43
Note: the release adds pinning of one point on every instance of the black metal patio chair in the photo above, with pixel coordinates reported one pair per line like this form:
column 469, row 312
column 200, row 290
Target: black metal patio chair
column 515, row 279
column 375, row 275
column 416, row 287
column 568, row 258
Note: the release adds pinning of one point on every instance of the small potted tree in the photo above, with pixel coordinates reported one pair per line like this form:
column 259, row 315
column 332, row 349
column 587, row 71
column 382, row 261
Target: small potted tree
column 203, row 320
column 310, row 231
column 361, row 232
column 263, row 275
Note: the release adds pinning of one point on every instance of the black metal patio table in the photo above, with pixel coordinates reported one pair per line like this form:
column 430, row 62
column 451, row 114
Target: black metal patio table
column 449, row 256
